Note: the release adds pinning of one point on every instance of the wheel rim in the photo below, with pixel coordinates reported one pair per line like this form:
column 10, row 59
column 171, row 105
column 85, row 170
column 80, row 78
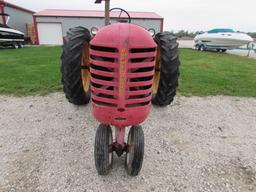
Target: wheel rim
column 85, row 68
column 157, row 71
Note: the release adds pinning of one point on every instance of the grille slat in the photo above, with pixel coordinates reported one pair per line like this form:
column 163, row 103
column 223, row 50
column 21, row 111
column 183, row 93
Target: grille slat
column 140, row 100
column 103, row 73
column 139, row 83
column 104, row 49
column 142, row 74
column 106, row 54
column 142, row 55
column 140, row 65
column 104, row 99
column 142, row 50
column 104, row 64
column 102, row 82
column 104, row 91
column 139, row 92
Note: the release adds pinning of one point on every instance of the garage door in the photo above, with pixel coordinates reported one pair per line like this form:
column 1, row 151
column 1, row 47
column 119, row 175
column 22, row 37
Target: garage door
column 50, row 33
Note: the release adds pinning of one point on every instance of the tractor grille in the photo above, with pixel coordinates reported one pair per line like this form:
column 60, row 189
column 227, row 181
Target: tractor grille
column 105, row 76
column 140, row 76
column 104, row 79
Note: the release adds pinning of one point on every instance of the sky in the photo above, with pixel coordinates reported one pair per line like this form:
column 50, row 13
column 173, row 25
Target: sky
column 191, row 15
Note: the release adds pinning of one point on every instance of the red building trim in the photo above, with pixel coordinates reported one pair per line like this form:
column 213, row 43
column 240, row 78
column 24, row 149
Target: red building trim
column 36, row 30
column 162, row 25
column 94, row 14
column 97, row 17
column 2, row 11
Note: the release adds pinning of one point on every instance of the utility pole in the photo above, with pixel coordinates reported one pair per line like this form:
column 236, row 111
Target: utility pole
column 107, row 8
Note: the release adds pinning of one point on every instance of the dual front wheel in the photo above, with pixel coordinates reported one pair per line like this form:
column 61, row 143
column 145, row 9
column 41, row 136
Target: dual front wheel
column 103, row 150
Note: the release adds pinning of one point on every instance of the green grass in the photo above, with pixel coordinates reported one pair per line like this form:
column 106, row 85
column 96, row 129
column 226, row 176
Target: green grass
column 30, row 71
column 33, row 71
column 205, row 73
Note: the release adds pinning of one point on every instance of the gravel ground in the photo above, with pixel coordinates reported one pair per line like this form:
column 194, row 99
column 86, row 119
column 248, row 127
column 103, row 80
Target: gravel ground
column 197, row 144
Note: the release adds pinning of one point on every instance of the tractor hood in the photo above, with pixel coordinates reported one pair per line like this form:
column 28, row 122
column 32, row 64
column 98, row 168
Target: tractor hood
column 122, row 60
column 123, row 34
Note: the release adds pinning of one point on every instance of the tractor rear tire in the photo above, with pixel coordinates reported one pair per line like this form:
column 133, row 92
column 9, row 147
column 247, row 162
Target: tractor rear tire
column 71, row 58
column 169, row 69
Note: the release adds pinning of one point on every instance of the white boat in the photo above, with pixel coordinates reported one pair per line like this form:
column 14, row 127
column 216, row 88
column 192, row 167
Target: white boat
column 9, row 36
column 221, row 40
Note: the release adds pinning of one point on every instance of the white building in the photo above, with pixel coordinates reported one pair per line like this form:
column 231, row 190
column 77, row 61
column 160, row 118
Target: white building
column 52, row 25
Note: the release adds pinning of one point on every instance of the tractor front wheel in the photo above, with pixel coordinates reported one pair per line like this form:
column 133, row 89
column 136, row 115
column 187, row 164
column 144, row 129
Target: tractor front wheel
column 135, row 150
column 103, row 153
column 75, row 66
column 166, row 69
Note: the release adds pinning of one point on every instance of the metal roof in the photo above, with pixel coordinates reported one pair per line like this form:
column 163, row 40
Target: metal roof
column 5, row 3
column 97, row 14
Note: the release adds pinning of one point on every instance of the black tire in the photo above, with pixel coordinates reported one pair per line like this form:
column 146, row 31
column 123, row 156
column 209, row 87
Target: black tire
column 169, row 70
column 201, row 48
column 135, row 152
column 71, row 59
column 103, row 154
column 20, row 45
column 15, row 45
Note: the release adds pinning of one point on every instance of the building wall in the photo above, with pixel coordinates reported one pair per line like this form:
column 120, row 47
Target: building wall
column 19, row 19
column 70, row 22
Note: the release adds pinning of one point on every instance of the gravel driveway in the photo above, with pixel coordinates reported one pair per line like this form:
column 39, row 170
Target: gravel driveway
column 195, row 145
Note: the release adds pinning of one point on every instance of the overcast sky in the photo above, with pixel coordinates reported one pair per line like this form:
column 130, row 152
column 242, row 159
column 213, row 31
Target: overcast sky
column 190, row 15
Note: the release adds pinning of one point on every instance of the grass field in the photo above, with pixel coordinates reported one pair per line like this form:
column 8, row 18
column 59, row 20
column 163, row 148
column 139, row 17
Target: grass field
column 32, row 71
column 205, row 73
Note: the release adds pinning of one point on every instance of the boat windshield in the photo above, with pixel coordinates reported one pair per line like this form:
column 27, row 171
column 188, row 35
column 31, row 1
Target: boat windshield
column 221, row 31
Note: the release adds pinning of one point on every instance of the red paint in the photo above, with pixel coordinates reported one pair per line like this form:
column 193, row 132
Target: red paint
column 97, row 14
column 162, row 25
column 121, row 110
column 120, row 135
column 36, row 30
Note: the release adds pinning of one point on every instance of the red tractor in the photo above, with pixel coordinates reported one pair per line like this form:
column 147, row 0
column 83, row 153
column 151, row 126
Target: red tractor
column 122, row 68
